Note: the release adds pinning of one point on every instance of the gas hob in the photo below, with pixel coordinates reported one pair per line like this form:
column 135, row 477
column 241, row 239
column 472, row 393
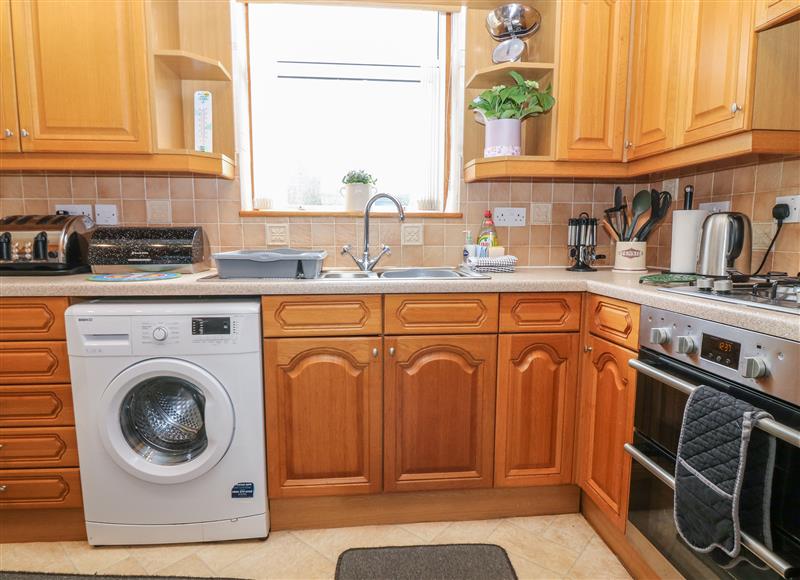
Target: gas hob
column 771, row 292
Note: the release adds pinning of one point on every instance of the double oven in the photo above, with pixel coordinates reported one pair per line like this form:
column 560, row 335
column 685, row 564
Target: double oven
column 678, row 353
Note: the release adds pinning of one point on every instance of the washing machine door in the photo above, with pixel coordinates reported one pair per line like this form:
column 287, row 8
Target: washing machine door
column 166, row 420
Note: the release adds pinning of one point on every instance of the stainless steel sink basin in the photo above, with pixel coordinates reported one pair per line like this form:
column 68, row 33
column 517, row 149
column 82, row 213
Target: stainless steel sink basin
column 432, row 273
column 348, row 275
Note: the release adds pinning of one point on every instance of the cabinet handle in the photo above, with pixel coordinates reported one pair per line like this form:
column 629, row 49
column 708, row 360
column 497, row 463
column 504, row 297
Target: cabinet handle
column 391, row 351
column 375, row 352
column 735, row 107
column 628, row 144
column 587, row 348
column 8, row 132
column 3, row 488
column 24, row 133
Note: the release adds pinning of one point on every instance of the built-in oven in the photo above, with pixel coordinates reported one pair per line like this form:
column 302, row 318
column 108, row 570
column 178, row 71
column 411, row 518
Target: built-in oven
column 678, row 353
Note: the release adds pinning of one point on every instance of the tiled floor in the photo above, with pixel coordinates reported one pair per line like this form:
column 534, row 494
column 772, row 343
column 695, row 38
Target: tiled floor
column 563, row 546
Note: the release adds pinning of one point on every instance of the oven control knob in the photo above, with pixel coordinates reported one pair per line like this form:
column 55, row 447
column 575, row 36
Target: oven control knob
column 754, row 368
column 160, row 333
column 659, row 335
column 686, row 344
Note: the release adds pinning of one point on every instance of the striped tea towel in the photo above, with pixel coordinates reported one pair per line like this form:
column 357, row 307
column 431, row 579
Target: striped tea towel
column 498, row 264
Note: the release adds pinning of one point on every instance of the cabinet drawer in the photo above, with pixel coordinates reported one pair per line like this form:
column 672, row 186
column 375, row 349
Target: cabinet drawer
column 33, row 362
column 543, row 312
column 321, row 315
column 440, row 313
column 614, row 320
column 32, row 318
column 38, row 447
column 40, row 488
column 36, row 406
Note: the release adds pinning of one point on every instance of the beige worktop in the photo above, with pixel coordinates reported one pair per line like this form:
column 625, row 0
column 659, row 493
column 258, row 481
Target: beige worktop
column 603, row 282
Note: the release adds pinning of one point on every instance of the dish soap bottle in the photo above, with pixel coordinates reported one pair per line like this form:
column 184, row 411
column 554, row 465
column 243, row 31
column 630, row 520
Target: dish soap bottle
column 488, row 233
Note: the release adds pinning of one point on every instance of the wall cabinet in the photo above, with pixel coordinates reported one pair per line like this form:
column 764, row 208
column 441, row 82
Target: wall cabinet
column 715, row 96
column 773, row 12
column 9, row 127
column 81, row 76
column 536, row 397
column 439, row 412
column 323, row 410
column 592, row 79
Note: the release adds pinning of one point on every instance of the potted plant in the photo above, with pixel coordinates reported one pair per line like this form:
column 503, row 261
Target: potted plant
column 502, row 109
column 358, row 187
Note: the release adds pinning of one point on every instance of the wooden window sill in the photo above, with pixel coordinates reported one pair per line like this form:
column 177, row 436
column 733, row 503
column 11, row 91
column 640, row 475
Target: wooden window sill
column 356, row 214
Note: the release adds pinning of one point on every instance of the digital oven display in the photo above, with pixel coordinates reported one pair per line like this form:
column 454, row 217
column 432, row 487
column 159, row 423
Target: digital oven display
column 721, row 351
column 204, row 326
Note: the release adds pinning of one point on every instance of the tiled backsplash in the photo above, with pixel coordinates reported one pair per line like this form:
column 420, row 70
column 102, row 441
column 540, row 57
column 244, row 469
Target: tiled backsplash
column 214, row 204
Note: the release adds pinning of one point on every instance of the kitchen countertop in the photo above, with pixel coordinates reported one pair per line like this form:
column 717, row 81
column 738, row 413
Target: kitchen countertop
column 603, row 282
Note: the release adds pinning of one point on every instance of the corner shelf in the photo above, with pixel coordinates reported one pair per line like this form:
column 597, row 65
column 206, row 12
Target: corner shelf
column 193, row 67
column 486, row 78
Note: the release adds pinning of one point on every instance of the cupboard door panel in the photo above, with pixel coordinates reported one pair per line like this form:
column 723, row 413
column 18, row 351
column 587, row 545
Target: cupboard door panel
column 439, row 412
column 323, row 408
column 40, row 489
column 33, row 362
column 441, row 313
column 321, row 315
column 608, row 391
column 773, row 12
column 544, row 312
column 32, row 318
column 81, row 70
column 656, row 55
column 592, row 80
column 36, row 406
column 716, row 64
column 9, row 128
column 536, row 409
column 38, row 447
column 614, row 320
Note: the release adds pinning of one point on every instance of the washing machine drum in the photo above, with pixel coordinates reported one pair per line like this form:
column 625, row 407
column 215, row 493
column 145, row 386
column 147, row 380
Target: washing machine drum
column 162, row 419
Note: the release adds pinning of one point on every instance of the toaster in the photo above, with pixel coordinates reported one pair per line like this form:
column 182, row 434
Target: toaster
column 44, row 244
column 118, row 250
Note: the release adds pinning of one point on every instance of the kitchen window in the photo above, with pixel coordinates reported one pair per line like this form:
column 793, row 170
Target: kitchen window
column 340, row 88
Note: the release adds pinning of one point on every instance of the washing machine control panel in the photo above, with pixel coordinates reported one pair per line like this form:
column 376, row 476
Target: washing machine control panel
column 197, row 334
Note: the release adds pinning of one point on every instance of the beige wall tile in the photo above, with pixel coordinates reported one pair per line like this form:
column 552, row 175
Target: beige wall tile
column 11, row 185
column 156, row 187
column 744, row 179
column 132, row 187
column 791, row 173
column 181, row 187
column 230, row 235
column 135, row 211
column 34, row 186
column 206, row 211
column 84, row 186
column 183, row 212
column 768, row 176
column 254, row 235
column 109, row 187
column 205, row 188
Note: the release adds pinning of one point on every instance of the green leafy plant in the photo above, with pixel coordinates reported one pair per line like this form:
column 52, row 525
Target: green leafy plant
column 359, row 176
column 524, row 99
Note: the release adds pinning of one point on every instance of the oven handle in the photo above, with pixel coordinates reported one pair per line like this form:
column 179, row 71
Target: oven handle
column 774, row 428
column 770, row 558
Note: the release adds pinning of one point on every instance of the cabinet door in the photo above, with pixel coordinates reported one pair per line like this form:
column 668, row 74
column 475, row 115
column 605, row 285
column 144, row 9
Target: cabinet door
column 26, row 363
column 81, row 71
column 608, row 390
column 9, row 130
column 773, row 12
column 439, row 412
column 656, row 55
column 714, row 96
column 323, row 409
column 592, row 80
column 535, row 409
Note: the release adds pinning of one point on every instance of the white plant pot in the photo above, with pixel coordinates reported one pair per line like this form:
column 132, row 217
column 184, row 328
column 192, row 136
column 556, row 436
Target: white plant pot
column 503, row 137
column 356, row 195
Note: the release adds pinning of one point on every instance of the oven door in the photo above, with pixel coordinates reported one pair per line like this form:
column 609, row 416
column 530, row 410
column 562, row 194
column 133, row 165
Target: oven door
column 657, row 422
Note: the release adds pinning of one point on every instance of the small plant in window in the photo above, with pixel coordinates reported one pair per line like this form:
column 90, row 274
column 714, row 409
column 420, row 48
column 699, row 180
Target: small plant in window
column 502, row 109
column 358, row 187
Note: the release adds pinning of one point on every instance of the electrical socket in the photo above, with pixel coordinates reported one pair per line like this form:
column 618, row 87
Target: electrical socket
column 412, row 234
column 716, row 206
column 76, row 209
column 106, row 214
column 513, row 217
column 277, row 235
column 793, row 201
column 541, row 214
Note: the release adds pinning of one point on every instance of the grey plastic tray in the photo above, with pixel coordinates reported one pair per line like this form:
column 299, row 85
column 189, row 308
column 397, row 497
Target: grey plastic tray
column 279, row 263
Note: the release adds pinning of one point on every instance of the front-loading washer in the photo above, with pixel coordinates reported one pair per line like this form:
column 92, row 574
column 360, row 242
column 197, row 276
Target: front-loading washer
column 169, row 414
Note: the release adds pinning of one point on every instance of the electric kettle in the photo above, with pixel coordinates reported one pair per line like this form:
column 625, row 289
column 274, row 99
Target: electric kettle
column 726, row 245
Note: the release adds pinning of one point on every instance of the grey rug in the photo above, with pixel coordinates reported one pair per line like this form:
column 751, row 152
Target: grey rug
column 449, row 561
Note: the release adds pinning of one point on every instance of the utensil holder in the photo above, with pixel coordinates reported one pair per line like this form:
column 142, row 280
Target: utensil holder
column 630, row 257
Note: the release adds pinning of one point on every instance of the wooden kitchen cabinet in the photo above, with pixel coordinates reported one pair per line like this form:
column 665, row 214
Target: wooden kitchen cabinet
column 612, row 319
column 655, row 55
column 32, row 318
column 535, row 417
column 439, row 395
column 323, row 410
column 9, row 127
column 592, row 80
column 774, row 12
column 33, row 362
column 32, row 447
column 608, row 391
column 540, row 312
column 36, row 406
column 35, row 489
column 81, row 76
column 440, row 313
column 324, row 315
column 715, row 95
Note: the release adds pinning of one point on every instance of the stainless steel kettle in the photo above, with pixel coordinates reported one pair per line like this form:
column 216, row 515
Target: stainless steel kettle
column 726, row 245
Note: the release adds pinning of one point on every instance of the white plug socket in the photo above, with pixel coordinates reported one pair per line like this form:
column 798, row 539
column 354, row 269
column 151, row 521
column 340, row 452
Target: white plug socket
column 716, row 206
column 793, row 201
column 105, row 214
column 76, row 209
column 512, row 217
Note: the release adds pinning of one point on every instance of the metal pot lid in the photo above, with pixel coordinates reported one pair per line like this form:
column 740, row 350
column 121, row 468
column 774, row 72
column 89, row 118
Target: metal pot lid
column 510, row 20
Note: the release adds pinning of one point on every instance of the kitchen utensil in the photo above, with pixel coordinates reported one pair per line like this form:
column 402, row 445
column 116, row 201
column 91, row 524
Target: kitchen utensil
column 614, row 219
column 660, row 203
column 687, row 224
column 641, row 203
column 625, row 217
column 688, row 196
column 725, row 245
column 612, row 232
column 582, row 240
column 44, row 244
column 509, row 24
column 617, row 196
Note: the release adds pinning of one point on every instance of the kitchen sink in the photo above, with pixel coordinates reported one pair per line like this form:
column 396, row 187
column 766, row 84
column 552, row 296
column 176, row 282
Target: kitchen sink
column 348, row 275
column 404, row 274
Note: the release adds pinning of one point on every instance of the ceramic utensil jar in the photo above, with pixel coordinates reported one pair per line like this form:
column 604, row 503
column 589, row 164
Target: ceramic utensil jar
column 630, row 257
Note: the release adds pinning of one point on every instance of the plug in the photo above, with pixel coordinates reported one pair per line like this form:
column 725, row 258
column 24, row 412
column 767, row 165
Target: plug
column 780, row 211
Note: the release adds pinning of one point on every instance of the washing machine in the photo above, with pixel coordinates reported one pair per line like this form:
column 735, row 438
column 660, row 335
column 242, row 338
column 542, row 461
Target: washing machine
column 169, row 413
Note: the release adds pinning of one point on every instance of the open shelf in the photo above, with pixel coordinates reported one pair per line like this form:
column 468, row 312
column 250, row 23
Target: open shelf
column 193, row 67
column 498, row 74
